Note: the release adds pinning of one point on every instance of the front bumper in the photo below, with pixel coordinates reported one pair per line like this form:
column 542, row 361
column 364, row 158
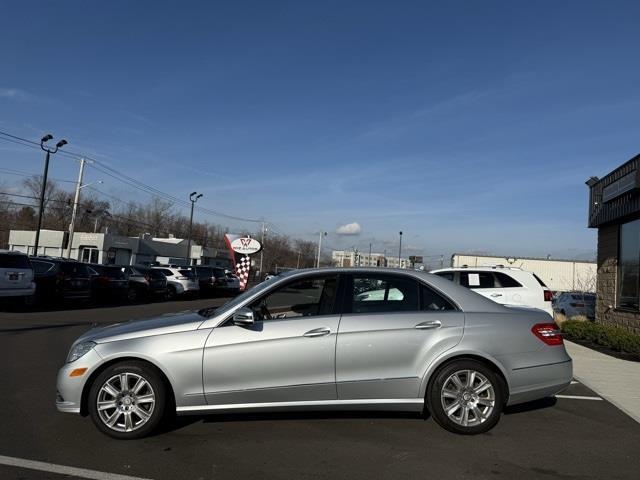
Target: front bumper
column 69, row 389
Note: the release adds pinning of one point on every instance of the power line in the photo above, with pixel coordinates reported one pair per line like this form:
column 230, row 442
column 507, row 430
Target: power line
column 132, row 182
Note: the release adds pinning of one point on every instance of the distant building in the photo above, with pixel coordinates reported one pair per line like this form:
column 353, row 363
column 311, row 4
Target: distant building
column 350, row 258
column 106, row 248
column 614, row 209
column 558, row 275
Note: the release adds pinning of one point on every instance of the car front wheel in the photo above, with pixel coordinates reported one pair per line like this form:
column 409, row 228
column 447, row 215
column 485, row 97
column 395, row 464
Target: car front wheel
column 466, row 397
column 127, row 400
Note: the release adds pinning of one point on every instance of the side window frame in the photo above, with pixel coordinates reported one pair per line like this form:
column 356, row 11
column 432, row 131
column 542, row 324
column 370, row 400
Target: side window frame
column 347, row 303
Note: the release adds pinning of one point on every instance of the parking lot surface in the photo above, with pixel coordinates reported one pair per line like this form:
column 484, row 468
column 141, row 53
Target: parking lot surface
column 577, row 435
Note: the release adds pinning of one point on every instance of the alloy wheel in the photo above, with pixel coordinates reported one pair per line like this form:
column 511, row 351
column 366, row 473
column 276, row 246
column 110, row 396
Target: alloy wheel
column 125, row 402
column 468, row 398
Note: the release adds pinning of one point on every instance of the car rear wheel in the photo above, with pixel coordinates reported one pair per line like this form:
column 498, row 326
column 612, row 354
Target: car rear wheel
column 171, row 292
column 127, row 400
column 466, row 397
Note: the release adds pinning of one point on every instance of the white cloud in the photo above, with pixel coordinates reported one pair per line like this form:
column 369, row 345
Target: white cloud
column 349, row 229
column 14, row 94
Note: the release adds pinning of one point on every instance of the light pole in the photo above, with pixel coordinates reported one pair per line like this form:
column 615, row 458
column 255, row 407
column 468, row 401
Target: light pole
column 76, row 201
column 60, row 144
column 400, row 250
column 194, row 198
column 322, row 234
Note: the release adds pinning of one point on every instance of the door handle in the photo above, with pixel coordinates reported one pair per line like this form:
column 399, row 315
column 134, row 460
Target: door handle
column 317, row 332
column 496, row 294
column 429, row 325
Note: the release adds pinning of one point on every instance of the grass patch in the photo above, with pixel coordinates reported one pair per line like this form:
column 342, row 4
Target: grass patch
column 608, row 336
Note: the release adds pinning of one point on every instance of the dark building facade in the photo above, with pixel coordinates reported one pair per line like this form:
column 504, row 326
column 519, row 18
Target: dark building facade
column 614, row 209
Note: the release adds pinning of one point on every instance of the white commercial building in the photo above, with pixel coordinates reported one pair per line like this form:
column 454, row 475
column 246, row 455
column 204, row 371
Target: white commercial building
column 350, row 258
column 558, row 275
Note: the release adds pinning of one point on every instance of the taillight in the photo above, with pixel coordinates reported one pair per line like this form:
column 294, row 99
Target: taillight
column 549, row 333
column 548, row 295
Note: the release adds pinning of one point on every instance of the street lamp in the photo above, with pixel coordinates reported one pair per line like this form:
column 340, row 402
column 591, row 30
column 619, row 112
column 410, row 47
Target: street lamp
column 193, row 198
column 49, row 151
column 322, row 234
column 400, row 250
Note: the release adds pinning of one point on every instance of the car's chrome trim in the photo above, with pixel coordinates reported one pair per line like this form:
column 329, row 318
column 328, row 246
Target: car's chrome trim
column 314, row 403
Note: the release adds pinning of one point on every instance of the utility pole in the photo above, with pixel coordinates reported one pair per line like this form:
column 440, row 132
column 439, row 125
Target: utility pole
column 400, row 250
column 262, row 249
column 76, row 200
column 322, row 234
column 298, row 264
column 193, row 198
column 60, row 144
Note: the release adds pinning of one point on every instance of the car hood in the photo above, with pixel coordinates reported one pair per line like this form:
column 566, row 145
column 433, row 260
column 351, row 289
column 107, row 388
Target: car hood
column 170, row 323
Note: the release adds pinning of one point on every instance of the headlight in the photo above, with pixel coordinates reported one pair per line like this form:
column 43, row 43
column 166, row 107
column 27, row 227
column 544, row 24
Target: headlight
column 79, row 350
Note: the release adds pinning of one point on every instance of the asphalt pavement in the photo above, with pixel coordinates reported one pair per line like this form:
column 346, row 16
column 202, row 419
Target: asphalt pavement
column 578, row 435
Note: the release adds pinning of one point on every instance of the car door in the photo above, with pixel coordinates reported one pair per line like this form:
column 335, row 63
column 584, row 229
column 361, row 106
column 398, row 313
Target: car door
column 514, row 292
column 392, row 328
column 288, row 354
column 483, row 283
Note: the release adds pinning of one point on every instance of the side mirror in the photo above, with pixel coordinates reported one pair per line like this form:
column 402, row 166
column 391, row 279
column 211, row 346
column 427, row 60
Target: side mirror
column 243, row 317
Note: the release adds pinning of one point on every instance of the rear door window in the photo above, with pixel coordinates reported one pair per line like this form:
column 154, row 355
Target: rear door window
column 477, row 280
column 384, row 293
column 12, row 260
column 430, row 300
column 448, row 275
column 506, row 281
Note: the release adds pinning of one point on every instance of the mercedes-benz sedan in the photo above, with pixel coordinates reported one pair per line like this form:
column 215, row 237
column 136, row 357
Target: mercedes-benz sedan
column 314, row 339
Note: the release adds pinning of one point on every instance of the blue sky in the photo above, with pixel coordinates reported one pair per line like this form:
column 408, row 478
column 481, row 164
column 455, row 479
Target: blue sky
column 470, row 126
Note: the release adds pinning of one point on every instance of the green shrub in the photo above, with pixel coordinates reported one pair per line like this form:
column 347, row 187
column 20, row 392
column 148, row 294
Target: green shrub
column 608, row 336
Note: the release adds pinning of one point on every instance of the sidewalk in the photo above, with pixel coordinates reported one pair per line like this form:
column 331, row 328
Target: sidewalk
column 615, row 380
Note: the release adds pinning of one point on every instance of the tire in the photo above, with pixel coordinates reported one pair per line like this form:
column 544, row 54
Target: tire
column 479, row 406
column 171, row 293
column 134, row 415
column 133, row 294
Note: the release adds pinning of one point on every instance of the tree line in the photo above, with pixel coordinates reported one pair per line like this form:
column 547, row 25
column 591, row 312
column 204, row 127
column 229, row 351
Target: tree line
column 158, row 217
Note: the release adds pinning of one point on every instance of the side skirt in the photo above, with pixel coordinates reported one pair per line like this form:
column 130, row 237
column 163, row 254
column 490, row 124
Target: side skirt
column 396, row 404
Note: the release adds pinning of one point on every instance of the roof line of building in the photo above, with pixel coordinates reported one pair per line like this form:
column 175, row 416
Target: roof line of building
column 524, row 258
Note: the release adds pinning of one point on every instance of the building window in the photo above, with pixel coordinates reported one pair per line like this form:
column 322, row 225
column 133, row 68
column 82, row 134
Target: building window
column 629, row 261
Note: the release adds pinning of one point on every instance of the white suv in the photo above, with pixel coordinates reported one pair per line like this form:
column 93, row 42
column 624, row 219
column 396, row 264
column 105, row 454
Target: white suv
column 180, row 280
column 506, row 285
column 16, row 275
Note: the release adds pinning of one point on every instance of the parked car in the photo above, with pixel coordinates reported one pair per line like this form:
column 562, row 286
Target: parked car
column 232, row 286
column 571, row 304
column 505, row 285
column 283, row 345
column 211, row 279
column 180, row 281
column 108, row 282
column 58, row 279
column 144, row 282
column 16, row 275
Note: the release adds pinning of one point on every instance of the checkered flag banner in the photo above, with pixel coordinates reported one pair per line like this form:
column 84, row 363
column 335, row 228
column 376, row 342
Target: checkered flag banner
column 242, row 271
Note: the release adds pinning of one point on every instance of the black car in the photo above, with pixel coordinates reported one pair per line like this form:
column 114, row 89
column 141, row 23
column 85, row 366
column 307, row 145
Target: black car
column 144, row 282
column 211, row 279
column 108, row 282
column 59, row 279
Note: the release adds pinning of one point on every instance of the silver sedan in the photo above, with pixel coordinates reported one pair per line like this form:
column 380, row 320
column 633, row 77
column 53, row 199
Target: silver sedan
column 341, row 339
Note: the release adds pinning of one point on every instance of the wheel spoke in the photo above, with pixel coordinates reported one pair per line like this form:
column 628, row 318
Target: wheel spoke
column 465, row 416
column 449, row 393
column 471, row 378
column 139, row 385
column 107, row 404
column 454, row 407
column 124, row 382
column 457, row 382
column 150, row 398
column 143, row 414
column 128, row 422
column 487, row 402
column 484, row 385
column 110, row 389
column 111, row 421
column 479, row 416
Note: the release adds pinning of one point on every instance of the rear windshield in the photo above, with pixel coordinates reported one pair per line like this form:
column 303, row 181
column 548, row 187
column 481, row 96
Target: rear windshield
column 40, row 266
column 72, row 268
column 218, row 272
column 187, row 273
column 203, row 271
column 112, row 272
column 12, row 260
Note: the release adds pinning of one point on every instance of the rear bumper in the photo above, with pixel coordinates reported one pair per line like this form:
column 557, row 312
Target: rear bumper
column 18, row 292
column 534, row 383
